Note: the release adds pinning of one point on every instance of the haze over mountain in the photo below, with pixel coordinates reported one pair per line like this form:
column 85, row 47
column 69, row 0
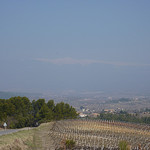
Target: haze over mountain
column 75, row 45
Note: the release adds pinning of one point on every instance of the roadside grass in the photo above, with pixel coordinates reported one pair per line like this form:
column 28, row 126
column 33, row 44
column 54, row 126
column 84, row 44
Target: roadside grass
column 18, row 140
column 28, row 139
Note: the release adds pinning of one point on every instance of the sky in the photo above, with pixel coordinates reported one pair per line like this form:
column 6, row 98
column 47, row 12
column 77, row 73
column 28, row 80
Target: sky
column 75, row 45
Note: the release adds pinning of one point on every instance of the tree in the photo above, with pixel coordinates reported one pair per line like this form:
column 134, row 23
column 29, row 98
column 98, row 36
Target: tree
column 21, row 112
column 51, row 104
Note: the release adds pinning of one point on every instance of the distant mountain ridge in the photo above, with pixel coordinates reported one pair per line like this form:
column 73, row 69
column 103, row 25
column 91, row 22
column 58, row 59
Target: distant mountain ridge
column 6, row 95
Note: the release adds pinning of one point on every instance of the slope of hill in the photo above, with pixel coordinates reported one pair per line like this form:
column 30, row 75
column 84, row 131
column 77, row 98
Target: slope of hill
column 87, row 134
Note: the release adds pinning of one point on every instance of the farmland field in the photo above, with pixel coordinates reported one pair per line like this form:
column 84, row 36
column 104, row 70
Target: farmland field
column 87, row 134
column 98, row 134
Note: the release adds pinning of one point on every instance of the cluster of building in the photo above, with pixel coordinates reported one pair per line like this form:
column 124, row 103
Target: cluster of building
column 85, row 112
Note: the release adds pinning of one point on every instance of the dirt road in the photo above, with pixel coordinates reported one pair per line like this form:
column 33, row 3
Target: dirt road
column 42, row 138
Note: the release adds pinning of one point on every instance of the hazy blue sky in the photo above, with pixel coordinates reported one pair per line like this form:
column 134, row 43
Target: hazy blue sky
column 75, row 45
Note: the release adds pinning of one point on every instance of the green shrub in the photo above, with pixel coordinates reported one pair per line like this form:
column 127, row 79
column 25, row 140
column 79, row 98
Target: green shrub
column 123, row 145
column 70, row 144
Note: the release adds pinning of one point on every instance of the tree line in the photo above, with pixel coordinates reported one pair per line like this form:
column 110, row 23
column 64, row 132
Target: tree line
column 20, row 112
column 124, row 117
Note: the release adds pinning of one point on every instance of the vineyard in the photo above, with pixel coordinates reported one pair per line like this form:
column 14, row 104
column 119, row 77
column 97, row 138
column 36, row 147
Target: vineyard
column 99, row 134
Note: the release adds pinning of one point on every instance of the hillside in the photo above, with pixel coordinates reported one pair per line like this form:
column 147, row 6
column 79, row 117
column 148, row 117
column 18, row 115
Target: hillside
column 86, row 134
column 100, row 134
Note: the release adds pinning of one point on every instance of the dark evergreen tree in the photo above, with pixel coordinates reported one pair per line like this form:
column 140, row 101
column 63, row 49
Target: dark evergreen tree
column 20, row 112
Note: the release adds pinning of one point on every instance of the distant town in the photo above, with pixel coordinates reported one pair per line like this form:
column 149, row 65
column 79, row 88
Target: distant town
column 91, row 104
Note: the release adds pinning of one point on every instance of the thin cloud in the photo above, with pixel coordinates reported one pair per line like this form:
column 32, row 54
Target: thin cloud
column 71, row 61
